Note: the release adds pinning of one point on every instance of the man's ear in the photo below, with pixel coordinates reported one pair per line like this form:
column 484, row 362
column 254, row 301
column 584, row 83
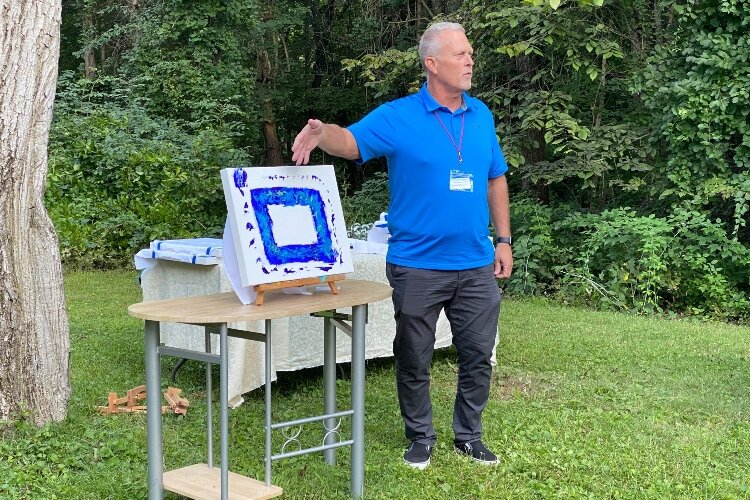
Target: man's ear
column 430, row 63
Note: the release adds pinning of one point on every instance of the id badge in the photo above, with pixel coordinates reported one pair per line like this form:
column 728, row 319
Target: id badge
column 461, row 181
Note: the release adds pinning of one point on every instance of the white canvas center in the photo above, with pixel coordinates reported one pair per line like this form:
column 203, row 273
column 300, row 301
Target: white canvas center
column 292, row 225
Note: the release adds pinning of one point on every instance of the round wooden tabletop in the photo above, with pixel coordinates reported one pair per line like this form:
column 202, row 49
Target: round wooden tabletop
column 227, row 308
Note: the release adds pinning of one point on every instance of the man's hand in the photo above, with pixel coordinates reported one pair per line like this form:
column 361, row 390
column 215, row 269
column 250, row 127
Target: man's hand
column 307, row 140
column 503, row 261
column 330, row 138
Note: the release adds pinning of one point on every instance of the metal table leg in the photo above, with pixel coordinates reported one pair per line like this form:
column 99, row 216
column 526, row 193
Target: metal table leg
column 329, row 389
column 209, row 406
column 359, row 313
column 224, row 410
column 268, row 367
column 153, row 411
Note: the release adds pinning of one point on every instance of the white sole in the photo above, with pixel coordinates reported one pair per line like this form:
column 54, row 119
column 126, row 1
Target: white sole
column 484, row 462
column 419, row 465
column 476, row 460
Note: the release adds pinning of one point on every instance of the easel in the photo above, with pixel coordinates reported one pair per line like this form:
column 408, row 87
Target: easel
column 277, row 285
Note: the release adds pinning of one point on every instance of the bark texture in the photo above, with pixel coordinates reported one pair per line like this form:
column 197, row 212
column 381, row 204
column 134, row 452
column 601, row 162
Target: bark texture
column 34, row 340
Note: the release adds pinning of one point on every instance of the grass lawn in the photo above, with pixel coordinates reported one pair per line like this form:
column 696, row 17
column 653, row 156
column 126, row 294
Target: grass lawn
column 584, row 405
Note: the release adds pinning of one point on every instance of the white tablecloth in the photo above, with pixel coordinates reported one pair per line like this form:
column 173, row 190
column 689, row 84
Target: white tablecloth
column 297, row 342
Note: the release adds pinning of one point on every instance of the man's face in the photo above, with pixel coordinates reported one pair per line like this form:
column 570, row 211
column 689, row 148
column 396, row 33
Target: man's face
column 454, row 63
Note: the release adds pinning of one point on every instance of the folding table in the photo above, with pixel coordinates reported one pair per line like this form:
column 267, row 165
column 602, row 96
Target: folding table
column 214, row 312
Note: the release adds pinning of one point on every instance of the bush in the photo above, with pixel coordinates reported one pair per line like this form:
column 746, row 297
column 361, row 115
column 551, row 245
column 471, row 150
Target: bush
column 366, row 205
column 697, row 90
column 682, row 263
column 119, row 178
column 533, row 247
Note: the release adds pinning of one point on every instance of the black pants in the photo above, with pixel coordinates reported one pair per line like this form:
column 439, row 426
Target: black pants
column 471, row 300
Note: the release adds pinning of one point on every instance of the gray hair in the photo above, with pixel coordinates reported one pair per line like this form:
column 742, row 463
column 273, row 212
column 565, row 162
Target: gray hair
column 428, row 44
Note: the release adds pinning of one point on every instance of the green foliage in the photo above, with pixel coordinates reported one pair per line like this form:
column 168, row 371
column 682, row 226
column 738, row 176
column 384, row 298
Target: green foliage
column 119, row 178
column 190, row 60
column 620, row 260
column 552, row 77
column 533, row 247
column 613, row 161
column 598, row 105
column 36, row 459
column 698, row 89
column 42, row 463
column 366, row 205
column 680, row 263
column 391, row 73
column 572, row 37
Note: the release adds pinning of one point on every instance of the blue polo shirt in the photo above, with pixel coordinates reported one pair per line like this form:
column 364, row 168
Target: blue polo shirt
column 439, row 215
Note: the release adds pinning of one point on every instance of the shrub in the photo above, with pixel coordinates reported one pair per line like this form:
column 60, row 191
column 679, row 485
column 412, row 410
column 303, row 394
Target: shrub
column 533, row 247
column 119, row 178
column 697, row 90
column 366, row 204
column 680, row 263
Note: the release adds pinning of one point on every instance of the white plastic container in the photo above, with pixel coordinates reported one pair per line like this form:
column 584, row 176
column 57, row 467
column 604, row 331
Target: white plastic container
column 379, row 232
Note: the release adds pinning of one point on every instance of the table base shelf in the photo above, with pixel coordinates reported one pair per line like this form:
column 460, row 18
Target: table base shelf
column 203, row 483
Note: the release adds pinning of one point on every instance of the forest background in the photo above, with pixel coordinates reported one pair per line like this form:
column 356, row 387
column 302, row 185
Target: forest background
column 625, row 123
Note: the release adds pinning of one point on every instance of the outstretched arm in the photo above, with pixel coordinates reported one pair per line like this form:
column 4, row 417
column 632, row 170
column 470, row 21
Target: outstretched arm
column 330, row 138
column 497, row 196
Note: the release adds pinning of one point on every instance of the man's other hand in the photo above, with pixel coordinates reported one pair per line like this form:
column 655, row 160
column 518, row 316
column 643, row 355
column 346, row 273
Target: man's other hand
column 503, row 261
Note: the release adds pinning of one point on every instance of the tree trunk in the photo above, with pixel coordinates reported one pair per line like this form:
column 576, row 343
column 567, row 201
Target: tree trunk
column 321, row 22
column 34, row 343
column 657, row 22
column 534, row 150
column 273, row 155
column 265, row 73
column 534, row 147
column 89, row 62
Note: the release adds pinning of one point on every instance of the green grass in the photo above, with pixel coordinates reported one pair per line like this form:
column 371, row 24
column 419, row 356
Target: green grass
column 584, row 405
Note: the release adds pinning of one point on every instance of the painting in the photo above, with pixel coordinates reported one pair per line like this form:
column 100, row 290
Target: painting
column 286, row 223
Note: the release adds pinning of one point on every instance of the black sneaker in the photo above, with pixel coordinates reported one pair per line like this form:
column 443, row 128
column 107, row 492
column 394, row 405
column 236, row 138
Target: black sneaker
column 418, row 455
column 478, row 452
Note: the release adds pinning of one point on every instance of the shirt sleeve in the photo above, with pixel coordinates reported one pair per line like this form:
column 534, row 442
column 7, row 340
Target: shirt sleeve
column 375, row 132
column 499, row 166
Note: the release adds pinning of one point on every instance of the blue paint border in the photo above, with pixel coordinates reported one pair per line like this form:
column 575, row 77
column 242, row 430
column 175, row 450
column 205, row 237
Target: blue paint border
column 321, row 251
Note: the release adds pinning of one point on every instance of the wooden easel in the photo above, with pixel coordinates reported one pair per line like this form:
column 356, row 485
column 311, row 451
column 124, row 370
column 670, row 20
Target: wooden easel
column 277, row 285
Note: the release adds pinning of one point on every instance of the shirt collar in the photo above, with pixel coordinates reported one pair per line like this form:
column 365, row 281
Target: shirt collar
column 432, row 105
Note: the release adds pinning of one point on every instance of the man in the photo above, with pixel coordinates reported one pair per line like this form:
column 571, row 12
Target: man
column 446, row 176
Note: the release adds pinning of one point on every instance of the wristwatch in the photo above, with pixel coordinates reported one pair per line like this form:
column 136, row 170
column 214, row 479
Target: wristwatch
column 503, row 239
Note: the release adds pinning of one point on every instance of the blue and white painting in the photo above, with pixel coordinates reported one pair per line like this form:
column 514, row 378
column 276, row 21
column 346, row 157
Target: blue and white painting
column 286, row 223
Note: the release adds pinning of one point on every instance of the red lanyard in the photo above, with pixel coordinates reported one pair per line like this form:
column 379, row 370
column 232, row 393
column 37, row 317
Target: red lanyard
column 450, row 136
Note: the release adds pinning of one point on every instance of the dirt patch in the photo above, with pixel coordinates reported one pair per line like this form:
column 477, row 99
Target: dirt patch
column 509, row 386
column 7, row 430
